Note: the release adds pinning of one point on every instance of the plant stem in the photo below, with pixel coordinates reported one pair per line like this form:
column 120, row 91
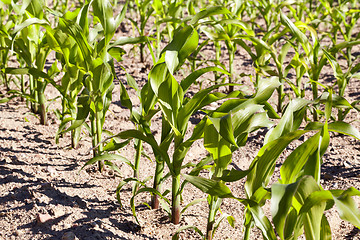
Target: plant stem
column 280, row 91
column 138, row 145
column 175, row 211
column 211, row 218
column 231, row 67
column 93, row 135
column 157, row 182
column 98, row 138
column 315, row 96
column 42, row 102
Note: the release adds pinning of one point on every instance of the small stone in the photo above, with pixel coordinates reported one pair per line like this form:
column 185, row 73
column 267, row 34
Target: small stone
column 94, row 224
column 328, row 176
column 67, row 225
column 43, row 218
column 69, row 236
column 111, row 172
column 51, row 170
column 347, row 164
column 335, row 185
column 8, row 160
column 43, row 200
column 80, row 202
column 18, row 232
column 46, row 186
column 57, row 212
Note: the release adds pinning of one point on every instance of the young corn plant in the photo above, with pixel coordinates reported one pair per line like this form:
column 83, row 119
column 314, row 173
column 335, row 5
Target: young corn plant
column 300, row 171
column 343, row 19
column 226, row 129
column 342, row 80
column 5, row 41
column 176, row 111
column 97, row 67
column 28, row 41
column 228, row 30
column 144, row 11
column 313, row 57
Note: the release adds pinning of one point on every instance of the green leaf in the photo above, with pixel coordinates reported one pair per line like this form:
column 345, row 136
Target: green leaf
column 104, row 11
column 265, row 161
column 297, row 33
column 290, row 120
column 185, row 42
column 210, row 11
column 120, row 41
column 28, row 22
column 107, row 157
column 347, row 207
column 117, row 53
column 209, row 186
column 281, row 201
column 294, row 163
column 192, row 77
column 171, row 60
column 234, row 175
column 334, row 64
column 340, row 127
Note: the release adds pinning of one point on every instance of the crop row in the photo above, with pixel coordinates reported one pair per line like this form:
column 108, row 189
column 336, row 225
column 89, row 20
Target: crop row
column 290, row 44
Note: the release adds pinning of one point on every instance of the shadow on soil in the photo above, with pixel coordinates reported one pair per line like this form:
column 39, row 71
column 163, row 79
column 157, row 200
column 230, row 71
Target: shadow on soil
column 29, row 197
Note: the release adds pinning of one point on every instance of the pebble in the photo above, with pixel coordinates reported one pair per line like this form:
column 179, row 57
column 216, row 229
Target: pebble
column 43, row 200
column 18, row 233
column 80, row 202
column 328, row 176
column 46, row 186
column 69, row 236
column 94, row 224
column 43, row 218
column 347, row 164
column 57, row 212
column 51, row 170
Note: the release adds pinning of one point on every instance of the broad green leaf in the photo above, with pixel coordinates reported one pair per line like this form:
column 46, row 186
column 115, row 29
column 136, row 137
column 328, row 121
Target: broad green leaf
column 294, row 163
column 171, row 60
column 334, row 64
column 340, row 127
column 192, row 77
column 281, row 202
column 297, row 33
column 325, row 233
column 113, row 146
column 120, row 41
column 185, row 42
column 266, row 88
column 106, row 157
column 117, row 53
column 347, row 207
column 265, row 161
column 210, row 11
column 104, row 11
column 28, row 22
column 337, row 101
column 311, row 218
column 290, row 120
column 83, row 19
column 234, row 175
column 75, row 31
column 209, row 186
